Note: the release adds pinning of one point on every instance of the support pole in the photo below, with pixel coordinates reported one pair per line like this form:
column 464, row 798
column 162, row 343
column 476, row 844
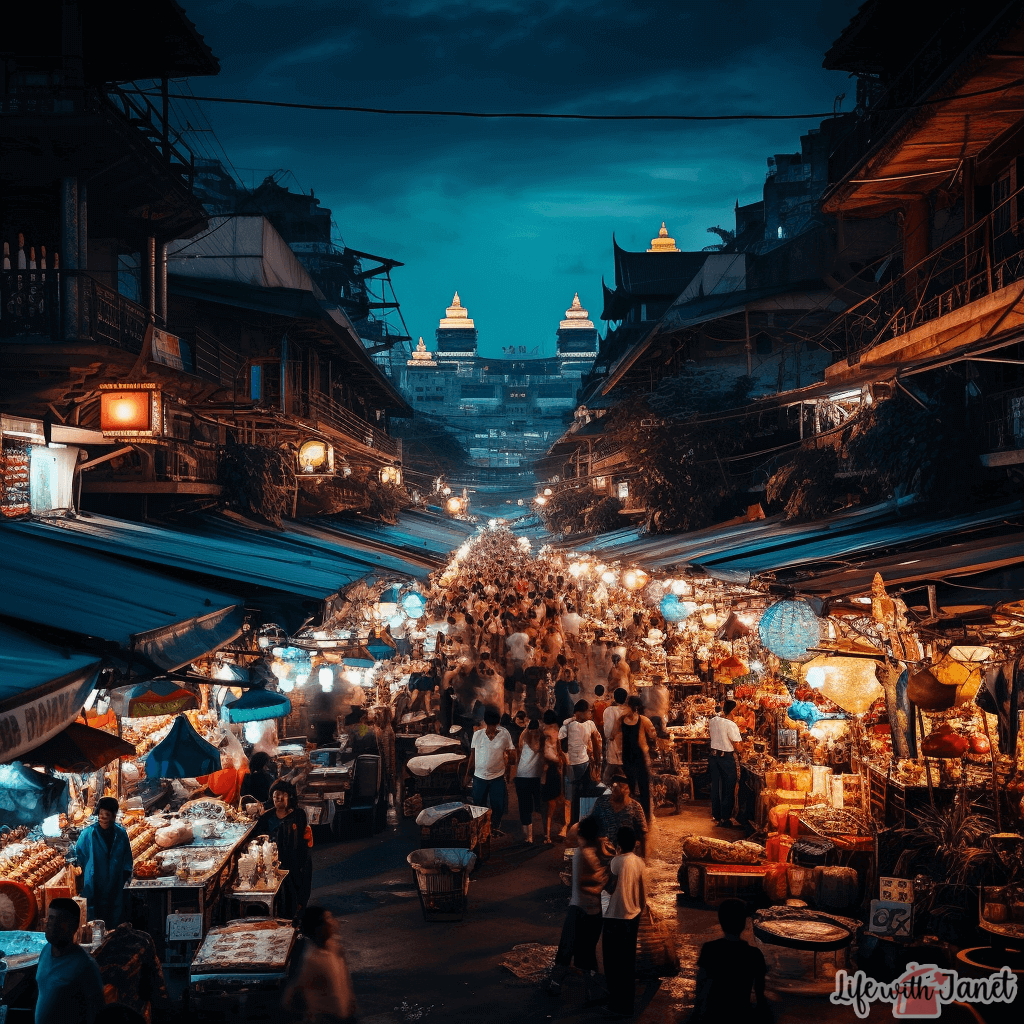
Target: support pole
column 151, row 277
column 927, row 761
column 69, row 242
column 161, row 284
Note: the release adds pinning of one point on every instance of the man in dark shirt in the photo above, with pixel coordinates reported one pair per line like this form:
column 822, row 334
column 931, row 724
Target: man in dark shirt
column 70, row 989
column 130, row 967
column 515, row 726
column 727, row 970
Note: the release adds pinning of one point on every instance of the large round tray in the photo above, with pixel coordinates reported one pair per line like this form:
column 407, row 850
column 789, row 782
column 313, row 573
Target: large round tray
column 811, row 932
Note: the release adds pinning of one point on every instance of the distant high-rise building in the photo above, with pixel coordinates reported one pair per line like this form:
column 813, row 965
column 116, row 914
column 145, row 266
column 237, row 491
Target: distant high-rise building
column 577, row 341
column 505, row 409
column 456, row 335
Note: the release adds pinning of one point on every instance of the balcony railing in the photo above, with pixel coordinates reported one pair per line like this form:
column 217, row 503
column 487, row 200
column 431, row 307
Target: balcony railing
column 168, row 460
column 33, row 304
column 986, row 257
column 318, row 406
column 1004, row 420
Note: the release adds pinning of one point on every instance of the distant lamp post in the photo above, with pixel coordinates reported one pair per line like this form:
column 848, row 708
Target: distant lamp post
column 548, row 492
column 391, row 475
column 454, row 505
column 540, row 500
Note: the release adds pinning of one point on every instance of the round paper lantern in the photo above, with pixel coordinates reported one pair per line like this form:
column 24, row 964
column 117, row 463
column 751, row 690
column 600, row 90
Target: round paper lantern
column 675, row 610
column 414, row 605
column 803, row 711
column 789, row 628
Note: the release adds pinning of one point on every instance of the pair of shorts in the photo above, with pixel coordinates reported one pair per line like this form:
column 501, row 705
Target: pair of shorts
column 551, row 783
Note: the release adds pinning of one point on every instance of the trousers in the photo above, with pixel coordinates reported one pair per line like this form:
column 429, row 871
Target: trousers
column 618, row 947
column 528, row 797
column 491, row 793
column 578, row 942
column 723, row 784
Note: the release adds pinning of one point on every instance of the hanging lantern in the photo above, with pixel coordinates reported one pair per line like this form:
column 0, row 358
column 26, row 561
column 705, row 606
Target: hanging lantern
column 731, row 667
column 258, row 705
column 848, row 682
column 675, row 610
column 634, row 579
column 789, row 628
column 414, row 604
column 680, row 587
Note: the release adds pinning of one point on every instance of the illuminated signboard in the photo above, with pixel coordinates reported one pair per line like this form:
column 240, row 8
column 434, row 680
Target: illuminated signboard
column 130, row 410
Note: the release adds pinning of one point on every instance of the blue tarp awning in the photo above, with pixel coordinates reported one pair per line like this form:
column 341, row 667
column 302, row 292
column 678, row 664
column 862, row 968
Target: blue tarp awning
column 423, row 534
column 50, row 582
column 217, row 546
column 42, row 689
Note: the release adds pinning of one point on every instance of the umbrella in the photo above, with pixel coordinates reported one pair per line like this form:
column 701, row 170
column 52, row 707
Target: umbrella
column 28, row 797
column 159, row 697
column 258, row 705
column 80, row 748
column 182, row 754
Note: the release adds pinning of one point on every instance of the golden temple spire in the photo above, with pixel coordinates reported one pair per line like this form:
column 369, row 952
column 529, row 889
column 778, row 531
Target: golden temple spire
column 456, row 315
column 422, row 356
column 576, row 315
column 663, row 243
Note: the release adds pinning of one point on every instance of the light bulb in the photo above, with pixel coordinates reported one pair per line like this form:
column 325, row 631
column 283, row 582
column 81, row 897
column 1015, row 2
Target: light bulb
column 325, row 676
column 608, row 576
column 287, row 686
column 816, row 677
column 328, row 686
column 301, row 678
column 253, row 731
column 680, row 587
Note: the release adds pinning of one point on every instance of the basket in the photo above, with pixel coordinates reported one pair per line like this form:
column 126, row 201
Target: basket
column 714, row 883
column 442, row 785
column 452, row 831
column 442, row 881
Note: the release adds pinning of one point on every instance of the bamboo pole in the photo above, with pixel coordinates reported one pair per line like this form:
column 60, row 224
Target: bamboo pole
column 995, row 785
column 927, row 761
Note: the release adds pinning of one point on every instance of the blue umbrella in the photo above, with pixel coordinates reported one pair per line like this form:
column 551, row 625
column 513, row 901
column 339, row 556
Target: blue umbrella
column 259, row 705
column 182, row 754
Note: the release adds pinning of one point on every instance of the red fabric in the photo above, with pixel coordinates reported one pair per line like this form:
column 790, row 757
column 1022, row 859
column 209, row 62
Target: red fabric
column 308, row 836
column 226, row 784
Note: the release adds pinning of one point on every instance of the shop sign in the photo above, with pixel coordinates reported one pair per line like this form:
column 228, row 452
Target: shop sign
column 27, row 726
column 184, row 927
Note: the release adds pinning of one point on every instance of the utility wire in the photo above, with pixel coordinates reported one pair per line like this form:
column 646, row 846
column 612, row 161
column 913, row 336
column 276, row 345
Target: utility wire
column 527, row 115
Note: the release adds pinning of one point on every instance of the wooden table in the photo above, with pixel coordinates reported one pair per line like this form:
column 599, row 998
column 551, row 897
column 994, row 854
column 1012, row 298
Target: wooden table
column 266, row 898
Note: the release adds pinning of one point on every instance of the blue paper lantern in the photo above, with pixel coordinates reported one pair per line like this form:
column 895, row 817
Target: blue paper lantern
column 789, row 628
column 414, row 604
column 675, row 610
column 804, row 711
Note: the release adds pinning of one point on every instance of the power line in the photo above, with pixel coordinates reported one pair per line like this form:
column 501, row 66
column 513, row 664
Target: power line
column 529, row 115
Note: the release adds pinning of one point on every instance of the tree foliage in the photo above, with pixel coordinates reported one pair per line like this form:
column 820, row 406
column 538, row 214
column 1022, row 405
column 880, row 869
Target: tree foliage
column 257, row 481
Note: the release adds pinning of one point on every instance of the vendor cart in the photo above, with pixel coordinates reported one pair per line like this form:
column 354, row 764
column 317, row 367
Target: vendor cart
column 326, row 790
column 180, row 907
column 437, row 778
column 241, row 970
column 456, row 825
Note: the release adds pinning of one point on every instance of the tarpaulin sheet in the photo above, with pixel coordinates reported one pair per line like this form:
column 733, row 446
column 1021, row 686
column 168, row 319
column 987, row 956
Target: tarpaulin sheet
column 166, row 622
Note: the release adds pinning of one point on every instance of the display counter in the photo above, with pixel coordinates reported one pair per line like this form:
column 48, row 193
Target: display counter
column 190, row 882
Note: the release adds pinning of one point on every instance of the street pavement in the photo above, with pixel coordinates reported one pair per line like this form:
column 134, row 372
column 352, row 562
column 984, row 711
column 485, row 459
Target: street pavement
column 407, row 970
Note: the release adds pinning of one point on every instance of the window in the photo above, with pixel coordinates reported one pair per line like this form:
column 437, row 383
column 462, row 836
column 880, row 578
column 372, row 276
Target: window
column 623, row 490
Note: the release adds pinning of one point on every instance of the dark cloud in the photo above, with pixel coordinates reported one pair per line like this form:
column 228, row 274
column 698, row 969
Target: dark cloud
column 516, row 214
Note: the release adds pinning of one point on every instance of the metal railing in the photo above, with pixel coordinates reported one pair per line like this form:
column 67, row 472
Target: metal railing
column 982, row 259
column 317, row 406
column 31, row 304
column 1004, row 420
column 166, row 460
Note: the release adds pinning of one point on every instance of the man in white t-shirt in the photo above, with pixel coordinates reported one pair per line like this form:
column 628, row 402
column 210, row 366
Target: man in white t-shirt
column 583, row 740
column 613, row 750
column 491, row 757
column 622, row 922
column 726, row 742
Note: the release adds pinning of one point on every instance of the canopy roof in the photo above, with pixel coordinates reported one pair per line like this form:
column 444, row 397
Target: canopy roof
column 49, row 582
column 836, row 556
column 421, row 536
column 282, row 560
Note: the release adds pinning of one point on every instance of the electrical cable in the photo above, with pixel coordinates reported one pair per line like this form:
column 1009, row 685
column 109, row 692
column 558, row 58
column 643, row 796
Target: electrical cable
column 528, row 115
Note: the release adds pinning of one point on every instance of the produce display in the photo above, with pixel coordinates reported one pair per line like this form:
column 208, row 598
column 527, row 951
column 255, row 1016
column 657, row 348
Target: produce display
column 31, row 863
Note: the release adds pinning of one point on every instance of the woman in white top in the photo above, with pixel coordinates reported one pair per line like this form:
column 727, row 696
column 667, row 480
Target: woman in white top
column 529, row 769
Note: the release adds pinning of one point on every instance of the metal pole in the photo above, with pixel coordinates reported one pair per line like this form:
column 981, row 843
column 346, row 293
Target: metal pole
column 161, row 283
column 151, row 277
column 69, row 242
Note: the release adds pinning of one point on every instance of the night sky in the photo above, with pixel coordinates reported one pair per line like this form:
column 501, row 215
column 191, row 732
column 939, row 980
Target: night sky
column 516, row 215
